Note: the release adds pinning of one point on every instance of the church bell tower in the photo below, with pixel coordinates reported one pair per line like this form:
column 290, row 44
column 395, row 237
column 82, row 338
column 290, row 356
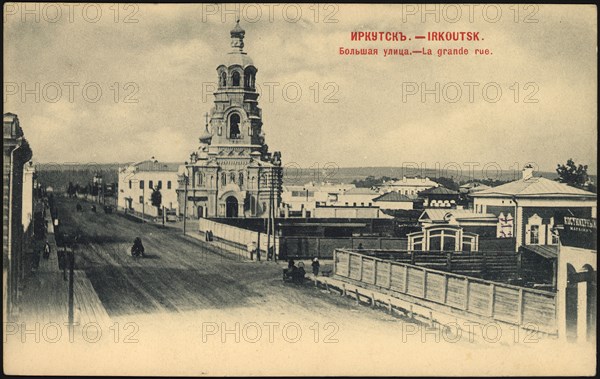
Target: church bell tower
column 232, row 173
column 236, row 119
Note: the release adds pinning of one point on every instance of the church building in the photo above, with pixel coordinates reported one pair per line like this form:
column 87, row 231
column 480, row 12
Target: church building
column 232, row 173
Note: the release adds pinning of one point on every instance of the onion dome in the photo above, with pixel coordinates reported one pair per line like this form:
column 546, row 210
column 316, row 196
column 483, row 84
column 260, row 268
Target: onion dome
column 237, row 56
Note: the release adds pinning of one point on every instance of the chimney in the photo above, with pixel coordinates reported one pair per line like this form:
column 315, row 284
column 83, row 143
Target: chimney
column 527, row 172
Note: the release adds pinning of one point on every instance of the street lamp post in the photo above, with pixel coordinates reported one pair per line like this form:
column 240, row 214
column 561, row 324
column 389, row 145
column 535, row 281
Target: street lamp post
column 186, row 177
column 143, row 201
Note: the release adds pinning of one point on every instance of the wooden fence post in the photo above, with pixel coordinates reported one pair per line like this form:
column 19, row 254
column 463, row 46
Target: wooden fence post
column 372, row 300
column 361, row 268
column 520, row 307
column 405, row 279
column 449, row 262
column 344, row 290
column 389, row 284
column 424, row 284
column 357, row 298
column 466, row 293
column 390, row 307
column 492, row 295
column 335, row 258
column 445, row 288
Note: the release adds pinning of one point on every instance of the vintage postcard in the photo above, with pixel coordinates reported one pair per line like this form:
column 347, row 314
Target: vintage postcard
column 299, row 189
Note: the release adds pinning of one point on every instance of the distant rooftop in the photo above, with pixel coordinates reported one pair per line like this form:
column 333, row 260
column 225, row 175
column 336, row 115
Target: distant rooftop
column 474, row 186
column 153, row 165
column 393, row 196
column 361, row 191
column 411, row 181
column 534, row 187
column 438, row 191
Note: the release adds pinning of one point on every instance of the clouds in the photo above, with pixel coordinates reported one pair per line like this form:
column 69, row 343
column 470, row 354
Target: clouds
column 172, row 52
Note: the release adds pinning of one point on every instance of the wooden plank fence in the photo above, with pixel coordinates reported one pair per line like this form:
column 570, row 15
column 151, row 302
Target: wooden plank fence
column 523, row 307
column 489, row 265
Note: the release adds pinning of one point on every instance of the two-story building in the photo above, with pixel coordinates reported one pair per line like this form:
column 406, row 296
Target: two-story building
column 137, row 182
column 410, row 186
column 16, row 153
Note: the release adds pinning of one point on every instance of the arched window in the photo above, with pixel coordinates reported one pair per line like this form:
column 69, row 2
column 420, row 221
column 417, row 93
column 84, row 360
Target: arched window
column 232, row 177
column 241, row 180
column 234, row 126
column 223, row 179
column 235, row 79
column 223, row 79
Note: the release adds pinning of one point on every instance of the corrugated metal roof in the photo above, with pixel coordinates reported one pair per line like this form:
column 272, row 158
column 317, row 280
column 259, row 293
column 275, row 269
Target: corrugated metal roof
column 534, row 187
column 438, row 191
column 393, row 196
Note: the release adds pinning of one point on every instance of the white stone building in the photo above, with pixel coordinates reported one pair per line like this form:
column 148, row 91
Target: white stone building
column 137, row 181
column 408, row 185
column 303, row 199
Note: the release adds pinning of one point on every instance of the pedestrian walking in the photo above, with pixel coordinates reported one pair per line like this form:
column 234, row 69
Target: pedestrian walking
column 316, row 265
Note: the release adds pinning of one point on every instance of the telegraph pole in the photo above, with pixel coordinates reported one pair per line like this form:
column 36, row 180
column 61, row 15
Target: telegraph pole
column 256, row 207
column 71, row 258
column 143, row 200
column 185, row 177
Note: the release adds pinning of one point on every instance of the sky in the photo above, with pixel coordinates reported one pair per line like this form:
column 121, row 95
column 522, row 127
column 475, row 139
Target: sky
column 119, row 83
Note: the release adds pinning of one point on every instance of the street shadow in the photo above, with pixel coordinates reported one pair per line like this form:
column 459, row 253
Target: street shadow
column 151, row 256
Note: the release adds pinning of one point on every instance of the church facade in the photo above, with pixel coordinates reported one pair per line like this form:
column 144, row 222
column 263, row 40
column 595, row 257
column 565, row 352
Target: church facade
column 232, row 173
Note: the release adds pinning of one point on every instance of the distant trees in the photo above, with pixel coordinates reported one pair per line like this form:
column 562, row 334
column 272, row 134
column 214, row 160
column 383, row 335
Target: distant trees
column 574, row 175
column 371, row 181
column 448, row 183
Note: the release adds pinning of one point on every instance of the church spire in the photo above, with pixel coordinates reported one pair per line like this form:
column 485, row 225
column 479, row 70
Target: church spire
column 237, row 37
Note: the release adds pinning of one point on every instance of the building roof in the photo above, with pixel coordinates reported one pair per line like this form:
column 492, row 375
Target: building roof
column 474, row 186
column 546, row 251
column 411, row 182
column 444, row 215
column 151, row 165
column 534, row 187
column 394, row 197
column 438, row 191
column 361, row 191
